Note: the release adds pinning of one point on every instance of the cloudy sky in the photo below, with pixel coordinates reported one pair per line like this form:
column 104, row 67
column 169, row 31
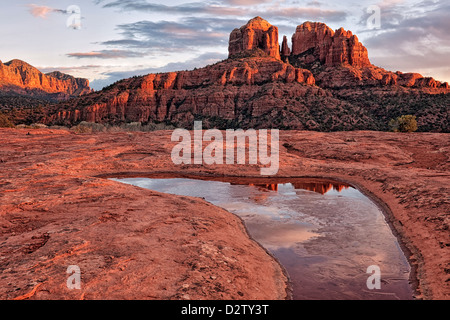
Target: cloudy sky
column 107, row 40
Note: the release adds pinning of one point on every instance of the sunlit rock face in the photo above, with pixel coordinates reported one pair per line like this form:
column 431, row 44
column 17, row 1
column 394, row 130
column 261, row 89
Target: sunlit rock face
column 253, row 85
column 20, row 77
column 256, row 34
column 329, row 47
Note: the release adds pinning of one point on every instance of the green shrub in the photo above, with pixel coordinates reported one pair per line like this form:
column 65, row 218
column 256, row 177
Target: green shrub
column 406, row 123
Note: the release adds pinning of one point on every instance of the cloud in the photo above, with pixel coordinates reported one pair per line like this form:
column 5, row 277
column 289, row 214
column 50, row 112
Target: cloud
column 69, row 70
column 390, row 3
column 167, row 36
column 74, row 22
column 246, row 2
column 200, row 26
column 39, row 11
column 413, row 39
column 414, row 28
column 306, row 13
column 107, row 54
column 232, row 8
column 43, row 11
column 187, row 8
column 314, row 3
column 195, row 33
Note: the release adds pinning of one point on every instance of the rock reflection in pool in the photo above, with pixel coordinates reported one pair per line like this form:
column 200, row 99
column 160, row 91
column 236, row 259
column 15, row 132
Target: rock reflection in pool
column 325, row 234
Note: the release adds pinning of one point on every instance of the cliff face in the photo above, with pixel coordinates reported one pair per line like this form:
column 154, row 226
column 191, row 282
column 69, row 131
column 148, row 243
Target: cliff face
column 226, row 90
column 256, row 34
column 74, row 86
column 261, row 85
column 337, row 59
column 330, row 48
column 19, row 77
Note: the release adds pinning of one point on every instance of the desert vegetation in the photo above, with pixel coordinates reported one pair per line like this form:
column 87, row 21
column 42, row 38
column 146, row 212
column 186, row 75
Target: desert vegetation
column 5, row 122
column 92, row 127
column 406, row 123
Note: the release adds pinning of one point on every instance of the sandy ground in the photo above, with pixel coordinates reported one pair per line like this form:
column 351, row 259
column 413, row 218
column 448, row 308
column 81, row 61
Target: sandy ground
column 57, row 209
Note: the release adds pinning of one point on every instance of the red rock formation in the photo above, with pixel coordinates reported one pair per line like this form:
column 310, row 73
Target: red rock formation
column 18, row 76
column 330, row 48
column 346, row 60
column 256, row 34
column 223, row 90
column 312, row 35
column 74, row 86
column 285, row 50
column 346, row 49
column 255, row 87
column 416, row 80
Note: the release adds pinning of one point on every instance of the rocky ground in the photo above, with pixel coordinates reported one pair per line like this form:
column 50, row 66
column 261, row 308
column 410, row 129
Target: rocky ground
column 57, row 209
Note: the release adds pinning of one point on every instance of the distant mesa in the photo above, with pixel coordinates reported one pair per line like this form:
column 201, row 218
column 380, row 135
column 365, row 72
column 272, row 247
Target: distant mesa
column 17, row 76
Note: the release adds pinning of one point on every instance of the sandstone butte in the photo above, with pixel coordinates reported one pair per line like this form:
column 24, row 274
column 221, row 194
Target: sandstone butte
column 257, row 80
column 329, row 47
column 57, row 209
column 19, row 77
column 256, row 34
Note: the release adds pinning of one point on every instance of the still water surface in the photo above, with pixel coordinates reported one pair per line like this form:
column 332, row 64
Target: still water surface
column 325, row 234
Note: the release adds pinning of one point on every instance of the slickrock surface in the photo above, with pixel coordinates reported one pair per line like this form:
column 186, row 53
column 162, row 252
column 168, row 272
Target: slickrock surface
column 132, row 243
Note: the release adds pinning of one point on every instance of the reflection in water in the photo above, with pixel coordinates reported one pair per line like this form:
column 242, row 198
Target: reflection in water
column 271, row 187
column 325, row 239
column 319, row 187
